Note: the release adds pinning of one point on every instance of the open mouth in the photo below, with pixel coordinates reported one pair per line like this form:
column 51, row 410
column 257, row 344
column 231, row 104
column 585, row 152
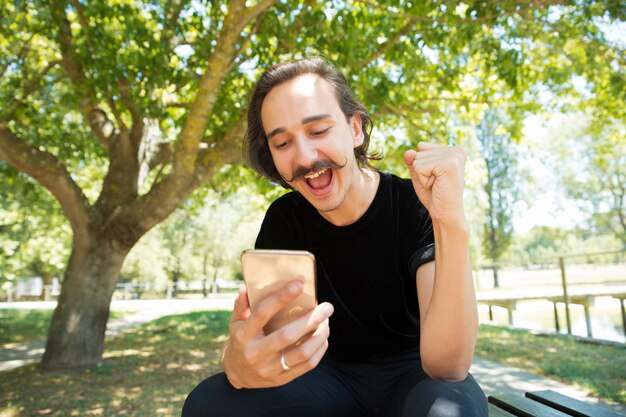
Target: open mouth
column 319, row 180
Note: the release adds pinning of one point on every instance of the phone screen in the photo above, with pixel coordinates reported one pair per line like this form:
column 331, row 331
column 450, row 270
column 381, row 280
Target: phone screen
column 267, row 271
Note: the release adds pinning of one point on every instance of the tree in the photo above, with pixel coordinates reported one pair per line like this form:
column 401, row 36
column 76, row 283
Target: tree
column 228, row 225
column 122, row 109
column 597, row 182
column 70, row 66
column 503, row 187
column 177, row 235
column 34, row 239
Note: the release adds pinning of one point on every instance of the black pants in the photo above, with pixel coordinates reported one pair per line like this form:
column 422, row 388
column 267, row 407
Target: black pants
column 397, row 388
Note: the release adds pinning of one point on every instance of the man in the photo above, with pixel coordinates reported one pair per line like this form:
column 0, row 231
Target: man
column 395, row 329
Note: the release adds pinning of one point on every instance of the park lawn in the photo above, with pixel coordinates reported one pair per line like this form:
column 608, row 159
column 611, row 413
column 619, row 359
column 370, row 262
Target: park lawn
column 18, row 326
column 146, row 372
column 596, row 368
column 150, row 370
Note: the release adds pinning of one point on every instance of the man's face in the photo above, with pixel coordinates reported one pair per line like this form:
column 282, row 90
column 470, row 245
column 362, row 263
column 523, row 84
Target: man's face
column 311, row 142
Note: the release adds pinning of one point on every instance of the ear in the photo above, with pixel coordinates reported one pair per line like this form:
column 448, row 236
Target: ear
column 356, row 127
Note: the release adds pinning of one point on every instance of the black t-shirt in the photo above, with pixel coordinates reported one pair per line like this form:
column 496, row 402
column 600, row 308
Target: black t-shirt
column 365, row 269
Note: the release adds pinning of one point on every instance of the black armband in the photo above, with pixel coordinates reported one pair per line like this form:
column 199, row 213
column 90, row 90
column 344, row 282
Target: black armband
column 420, row 257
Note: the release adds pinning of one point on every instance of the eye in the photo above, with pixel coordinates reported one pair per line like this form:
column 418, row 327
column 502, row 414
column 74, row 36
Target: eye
column 321, row 132
column 281, row 144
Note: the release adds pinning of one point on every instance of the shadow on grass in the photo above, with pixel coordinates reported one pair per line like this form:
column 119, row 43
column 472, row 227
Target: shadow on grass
column 598, row 369
column 147, row 372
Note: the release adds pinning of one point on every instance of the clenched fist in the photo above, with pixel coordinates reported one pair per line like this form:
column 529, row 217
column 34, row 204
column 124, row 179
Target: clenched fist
column 437, row 172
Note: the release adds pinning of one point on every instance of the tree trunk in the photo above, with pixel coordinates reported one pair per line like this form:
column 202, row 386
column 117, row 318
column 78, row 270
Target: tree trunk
column 76, row 335
column 47, row 285
column 214, row 283
column 175, row 276
column 496, row 281
column 205, row 274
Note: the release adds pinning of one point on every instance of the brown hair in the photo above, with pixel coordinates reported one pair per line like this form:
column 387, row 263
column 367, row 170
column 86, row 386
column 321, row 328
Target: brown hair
column 255, row 146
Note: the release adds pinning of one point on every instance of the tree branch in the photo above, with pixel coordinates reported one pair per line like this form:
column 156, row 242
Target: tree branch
column 398, row 112
column 51, row 173
column 74, row 69
column 136, row 129
column 389, row 43
column 255, row 11
column 82, row 20
column 172, row 10
column 235, row 21
column 163, row 156
column 166, row 196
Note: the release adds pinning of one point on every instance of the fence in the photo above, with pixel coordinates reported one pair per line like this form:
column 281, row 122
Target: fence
column 34, row 290
column 568, row 283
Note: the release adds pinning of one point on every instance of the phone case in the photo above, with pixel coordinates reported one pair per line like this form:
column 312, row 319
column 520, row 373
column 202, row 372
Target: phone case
column 267, row 271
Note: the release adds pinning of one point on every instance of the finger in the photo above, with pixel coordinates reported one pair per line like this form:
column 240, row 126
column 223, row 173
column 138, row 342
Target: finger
column 241, row 310
column 417, row 162
column 270, row 305
column 424, row 146
column 298, row 329
column 427, row 181
column 304, row 351
column 311, row 361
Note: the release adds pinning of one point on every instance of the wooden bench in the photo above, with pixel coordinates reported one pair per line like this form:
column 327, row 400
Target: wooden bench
column 509, row 301
column 544, row 404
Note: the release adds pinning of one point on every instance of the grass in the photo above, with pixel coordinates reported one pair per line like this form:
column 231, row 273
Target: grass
column 146, row 372
column 598, row 369
column 17, row 326
column 150, row 370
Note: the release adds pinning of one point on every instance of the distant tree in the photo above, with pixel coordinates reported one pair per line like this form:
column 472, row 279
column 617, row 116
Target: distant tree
column 597, row 181
column 541, row 246
column 503, row 186
column 229, row 225
column 34, row 238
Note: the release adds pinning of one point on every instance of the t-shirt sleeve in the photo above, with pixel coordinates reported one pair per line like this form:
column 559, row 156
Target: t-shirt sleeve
column 420, row 257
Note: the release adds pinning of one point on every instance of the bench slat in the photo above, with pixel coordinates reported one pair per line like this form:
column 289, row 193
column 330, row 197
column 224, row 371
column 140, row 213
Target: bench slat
column 570, row 405
column 498, row 412
column 524, row 407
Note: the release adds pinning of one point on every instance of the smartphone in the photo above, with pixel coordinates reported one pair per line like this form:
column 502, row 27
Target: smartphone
column 268, row 270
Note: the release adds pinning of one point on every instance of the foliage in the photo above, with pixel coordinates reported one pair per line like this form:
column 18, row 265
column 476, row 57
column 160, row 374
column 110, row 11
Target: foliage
column 594, row 368
column 34, row 238
column 502, row 187
column 543, row 245
column 122, row 109
column 597, row 182
column 203, row 241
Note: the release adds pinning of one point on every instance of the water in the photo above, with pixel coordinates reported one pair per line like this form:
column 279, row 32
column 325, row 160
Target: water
column 606, row 321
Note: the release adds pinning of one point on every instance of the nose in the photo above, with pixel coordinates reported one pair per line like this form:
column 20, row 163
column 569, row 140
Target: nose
column 306, row 152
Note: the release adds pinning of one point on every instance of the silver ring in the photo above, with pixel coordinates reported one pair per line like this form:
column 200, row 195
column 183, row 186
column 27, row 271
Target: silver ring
column 283, row 363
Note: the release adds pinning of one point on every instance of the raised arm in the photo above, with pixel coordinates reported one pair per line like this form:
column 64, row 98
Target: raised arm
column 447, row 299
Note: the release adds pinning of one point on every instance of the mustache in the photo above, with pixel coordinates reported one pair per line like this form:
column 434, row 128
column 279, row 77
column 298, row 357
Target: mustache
column 317, row 166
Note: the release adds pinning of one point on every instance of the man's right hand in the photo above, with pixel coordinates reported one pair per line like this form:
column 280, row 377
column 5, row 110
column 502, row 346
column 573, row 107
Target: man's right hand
column 252, row 359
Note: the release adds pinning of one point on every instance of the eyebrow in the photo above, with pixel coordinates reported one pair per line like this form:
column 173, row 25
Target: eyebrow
column 304, row 121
